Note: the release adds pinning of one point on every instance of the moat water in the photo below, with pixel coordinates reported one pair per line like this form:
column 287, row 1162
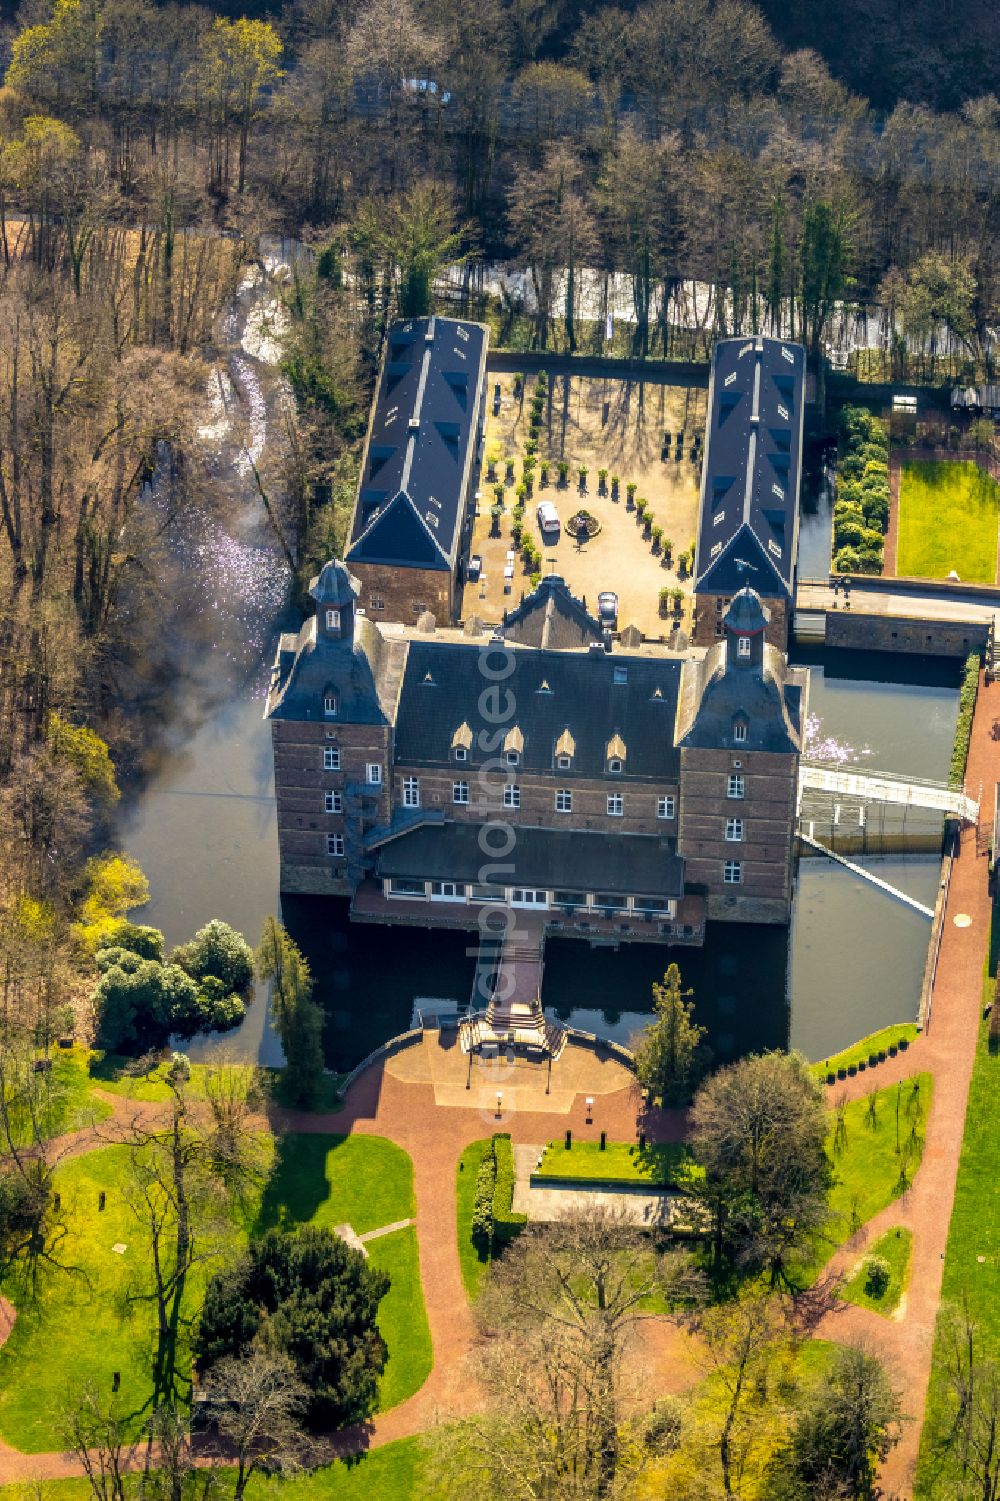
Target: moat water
column 202, row 825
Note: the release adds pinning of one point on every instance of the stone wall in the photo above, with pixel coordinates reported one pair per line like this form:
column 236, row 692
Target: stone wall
column 853, row 630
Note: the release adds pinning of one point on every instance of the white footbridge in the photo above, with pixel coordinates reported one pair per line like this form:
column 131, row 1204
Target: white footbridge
column 885, row 788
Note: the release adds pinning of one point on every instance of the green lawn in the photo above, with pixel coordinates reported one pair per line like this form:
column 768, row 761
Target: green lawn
column 665, row 1165
column 894, row 1246
column 859, row 1051
column 80, row 1327
column 866, row 1166
column 947, row 520
column 364, row 1181
column 400, row 1471
column 473, row 1261
column 402, row 1317
column 971, row 1265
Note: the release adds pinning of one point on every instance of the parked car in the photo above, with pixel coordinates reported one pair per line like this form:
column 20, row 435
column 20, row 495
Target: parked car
column 475, row 568
column 607, row 609
column 548, row 519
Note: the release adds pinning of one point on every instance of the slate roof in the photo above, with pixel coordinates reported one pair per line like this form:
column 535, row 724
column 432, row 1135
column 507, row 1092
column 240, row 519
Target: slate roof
column 365, row 676
column 421, row 445
column 551, row 691
column 552, row 617
column 770, row 698
column 753, row 458
column 640, row 864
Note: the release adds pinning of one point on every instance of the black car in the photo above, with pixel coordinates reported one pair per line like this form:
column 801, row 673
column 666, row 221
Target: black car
column 607, row 609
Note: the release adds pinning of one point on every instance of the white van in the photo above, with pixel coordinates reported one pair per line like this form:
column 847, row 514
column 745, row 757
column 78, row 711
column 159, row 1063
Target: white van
column 548, row 519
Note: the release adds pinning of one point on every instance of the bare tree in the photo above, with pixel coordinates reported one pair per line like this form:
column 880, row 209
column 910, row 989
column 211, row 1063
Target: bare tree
column 257, row 1402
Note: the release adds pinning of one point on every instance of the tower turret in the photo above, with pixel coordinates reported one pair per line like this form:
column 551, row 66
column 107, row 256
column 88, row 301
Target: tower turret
column 335, row 592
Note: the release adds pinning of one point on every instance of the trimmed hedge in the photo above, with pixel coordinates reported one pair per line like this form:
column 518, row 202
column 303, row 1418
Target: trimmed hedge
column 494, row 1222
column 861, row 513
column 963, row 726
column 506, row 1224
column 482, row 1208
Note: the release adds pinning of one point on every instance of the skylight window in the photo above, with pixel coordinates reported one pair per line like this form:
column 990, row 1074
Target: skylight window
column 719, row 516
column 786, row 354
column 778, row 491
column 783, row 412
column 773, row 547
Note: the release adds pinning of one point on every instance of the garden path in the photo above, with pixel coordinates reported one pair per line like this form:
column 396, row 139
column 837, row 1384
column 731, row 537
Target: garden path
column 947, row 1049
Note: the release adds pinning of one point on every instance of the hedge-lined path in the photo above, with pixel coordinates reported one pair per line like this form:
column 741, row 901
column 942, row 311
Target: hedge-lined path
column 947, row 1050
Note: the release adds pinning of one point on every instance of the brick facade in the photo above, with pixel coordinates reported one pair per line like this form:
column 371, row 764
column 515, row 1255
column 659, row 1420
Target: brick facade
column 403, row 594
column 709, row 609
column 767, row 814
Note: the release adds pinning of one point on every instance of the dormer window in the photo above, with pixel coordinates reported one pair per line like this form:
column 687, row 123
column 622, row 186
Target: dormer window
column 614, row 755
column 461, row 742
column 564, row 762
column 461, row 754
column 739, row 731
column 333, row 620
column 565, row 750
column 331, row 703
column 513, row 757
column 513, row 745
column 743, row 646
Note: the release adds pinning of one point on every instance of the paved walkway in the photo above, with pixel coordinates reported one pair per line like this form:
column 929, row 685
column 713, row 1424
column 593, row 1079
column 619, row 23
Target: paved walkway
column 947, row 1049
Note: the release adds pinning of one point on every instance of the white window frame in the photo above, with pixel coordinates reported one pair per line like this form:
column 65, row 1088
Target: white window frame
column 736, row 786
column 615, row 766
column 411, row 792
column 564, row 801
column 740, row 732
column 373, row 774
column 513, row 757
column 734, row 831
column 331, row 758
column 333, row 802
column 335, row 846
column 460, row 793
column 461, row 753
column 408, row 896
column 732, row 873
column 616, row 805
column 512, row 795
column 448, row 891
column 330, row 705
column 527, row 896
column 666, row 806
column 333, row 620
column 564, row 762
column 743, row 646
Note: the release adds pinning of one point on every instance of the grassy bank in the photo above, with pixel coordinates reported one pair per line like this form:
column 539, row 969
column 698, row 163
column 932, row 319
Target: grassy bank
column 666, row 1165
column 865, row 1047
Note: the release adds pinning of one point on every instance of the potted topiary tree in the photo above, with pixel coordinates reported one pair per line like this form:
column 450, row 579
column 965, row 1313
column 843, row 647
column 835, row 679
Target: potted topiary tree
column 665, row 596
column 630, row 490
column 563, row 471
column 657, row 537
column 615, row 486
column 583, row 471
column 602, row 482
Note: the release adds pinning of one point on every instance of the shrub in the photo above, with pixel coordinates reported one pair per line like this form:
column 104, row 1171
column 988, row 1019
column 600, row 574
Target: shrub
column 875, row 510
column 657, row 535
column 544, row 473
column 506, row 1224
column 213, row 1009
column 846, row 560
column 963, row 727
column 563, row 468
column 630, row 490
column 521, row 490
column 665, row 597
column 217, row 950
column 878, row 1274
column 583, row 472
column 615, row 484
column 847, row 533
column 668, row 547
column 146, row 942
column 137, row 1001
column 482, row 1206
column 640, row 507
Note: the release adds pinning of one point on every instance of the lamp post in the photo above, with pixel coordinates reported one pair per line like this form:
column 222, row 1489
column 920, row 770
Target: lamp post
column 499, row 1103
column 590, row 1110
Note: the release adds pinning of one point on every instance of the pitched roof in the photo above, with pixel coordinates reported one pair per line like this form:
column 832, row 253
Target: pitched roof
column 551, row 692
column 750, row 479
column 771, row 700
column 333, row 585
column 552, row 617
column 364, row 674
column 421, row 445
column 640, row 864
